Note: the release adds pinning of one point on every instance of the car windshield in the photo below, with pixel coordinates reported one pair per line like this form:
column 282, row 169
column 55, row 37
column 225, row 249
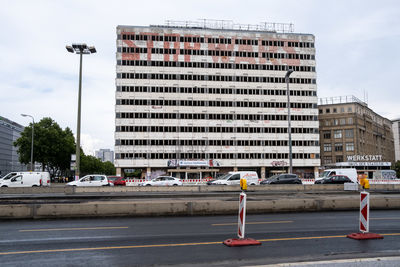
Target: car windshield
column 224, row 177
column 272, row 177
column 112, row 178
column 8, row 176
column 325, row 174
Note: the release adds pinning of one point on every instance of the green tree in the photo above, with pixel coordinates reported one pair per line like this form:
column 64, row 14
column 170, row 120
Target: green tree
column 52, row 146
column 92, row 165
column 397, row 168
column 109, row 168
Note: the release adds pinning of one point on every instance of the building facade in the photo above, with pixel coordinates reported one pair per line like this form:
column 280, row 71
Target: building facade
column 396, row 136
column 352, row 135
column 105, row 155
column 9, row 132
column 195, row 100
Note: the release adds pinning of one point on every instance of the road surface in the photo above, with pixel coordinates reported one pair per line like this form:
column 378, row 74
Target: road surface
column 185, row 241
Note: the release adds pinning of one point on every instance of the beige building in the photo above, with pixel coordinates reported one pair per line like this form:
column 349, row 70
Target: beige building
column 194, row 99
column 352, row 135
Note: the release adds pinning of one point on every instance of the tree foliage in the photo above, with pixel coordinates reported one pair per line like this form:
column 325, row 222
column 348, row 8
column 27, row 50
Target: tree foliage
column 92, row 165
column 397, row 168
column 52, row 146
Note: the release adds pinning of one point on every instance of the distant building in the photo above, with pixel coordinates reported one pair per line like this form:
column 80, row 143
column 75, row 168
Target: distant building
column 396, row 136
column 194, row 99
column 105, row 155
column 353, row 135
column 9, row 132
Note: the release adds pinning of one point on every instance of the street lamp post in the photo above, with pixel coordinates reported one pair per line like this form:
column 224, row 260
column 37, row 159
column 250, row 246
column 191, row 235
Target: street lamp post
column 80, row 49
column 33, row 130
column 289, row 126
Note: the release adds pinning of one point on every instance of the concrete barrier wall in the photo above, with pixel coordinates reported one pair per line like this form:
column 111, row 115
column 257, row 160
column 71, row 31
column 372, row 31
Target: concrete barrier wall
column 182, row 207
column 193, row 188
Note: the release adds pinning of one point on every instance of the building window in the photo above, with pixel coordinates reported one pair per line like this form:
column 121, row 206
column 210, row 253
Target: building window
column 343, row 121
column 349, row 133
column 327, row 159
column 334, row 110
column 335, row 122
column 320, row 111
column 338, row 147
column 350, row 121
column 349, row 146
column 349, row 109
column 327, row 110
column 339, row 158
column 327, row 134
column 338, row 133
column 327, row 122
column 342, row 110
column 327, row 147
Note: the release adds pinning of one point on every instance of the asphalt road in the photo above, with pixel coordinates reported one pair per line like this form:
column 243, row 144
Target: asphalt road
column 184, row 241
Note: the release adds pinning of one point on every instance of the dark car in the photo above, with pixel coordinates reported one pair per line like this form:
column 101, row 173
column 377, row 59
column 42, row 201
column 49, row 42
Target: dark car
column 285, row 178
column 334, row 179
column 116, row 180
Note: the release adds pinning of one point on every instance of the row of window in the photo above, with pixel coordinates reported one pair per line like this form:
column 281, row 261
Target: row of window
column 202, row 90
column 216, row 78
column 335, row 110
column 225, row 142
column 200, row 129
column 348, row 133
column 218, row 53
column 197, row 39
column 336, row 122
column 204, row 103
column 339, row 147
column 202, row 116
column 216, row 156
column 239, row 66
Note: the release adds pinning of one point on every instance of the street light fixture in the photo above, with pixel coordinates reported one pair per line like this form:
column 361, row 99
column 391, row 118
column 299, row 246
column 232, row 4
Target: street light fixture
column 33, row 130
column 289, row 126
column 80, row 49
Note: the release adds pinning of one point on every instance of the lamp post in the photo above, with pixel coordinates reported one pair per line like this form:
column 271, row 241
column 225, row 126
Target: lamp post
column 289, row 126
column 80, row 49
column 33, row 130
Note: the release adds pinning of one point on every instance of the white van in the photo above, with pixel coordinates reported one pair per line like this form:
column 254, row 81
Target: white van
column 233, row 178
column 24, row 179
column 45, row 176
column 349, row 172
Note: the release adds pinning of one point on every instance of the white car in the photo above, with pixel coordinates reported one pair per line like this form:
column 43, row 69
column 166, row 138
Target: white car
column 91, row 180
column 163, row 181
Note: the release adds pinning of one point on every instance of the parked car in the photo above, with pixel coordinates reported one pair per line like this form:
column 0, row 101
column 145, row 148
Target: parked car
column 117, row 180
column 284, row 178
column 335, row 179
column 91, row 180
column 163, row 181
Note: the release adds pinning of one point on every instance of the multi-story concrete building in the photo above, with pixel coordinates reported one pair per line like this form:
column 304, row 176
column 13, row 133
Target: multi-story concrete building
column 396, row 136
column 9, row 132
column 194, row 99
column 105, row 155
column 352, row 135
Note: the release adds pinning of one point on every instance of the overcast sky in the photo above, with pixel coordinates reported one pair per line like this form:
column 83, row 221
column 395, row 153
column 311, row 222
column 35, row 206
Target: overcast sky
column 357, row 52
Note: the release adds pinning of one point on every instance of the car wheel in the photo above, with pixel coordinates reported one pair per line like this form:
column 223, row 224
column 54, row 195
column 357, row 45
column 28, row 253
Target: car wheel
column 174, row 185
column 4, row 186
column 34, row 185
column 148, row 184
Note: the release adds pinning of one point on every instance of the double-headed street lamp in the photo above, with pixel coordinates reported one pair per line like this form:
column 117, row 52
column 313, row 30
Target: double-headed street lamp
column 33, row 130
column 80, row 49
column 289, row 126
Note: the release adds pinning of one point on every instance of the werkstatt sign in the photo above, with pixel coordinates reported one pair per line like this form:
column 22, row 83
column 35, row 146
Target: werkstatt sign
column 365, row 158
